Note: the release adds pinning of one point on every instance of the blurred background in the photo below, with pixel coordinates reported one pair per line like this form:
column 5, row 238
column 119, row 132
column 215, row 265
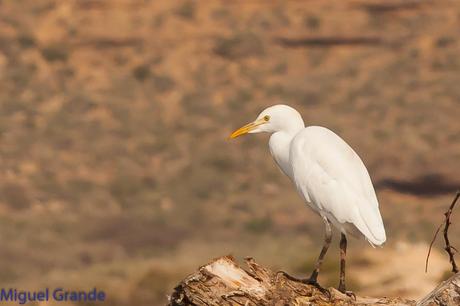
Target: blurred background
column 116, row 170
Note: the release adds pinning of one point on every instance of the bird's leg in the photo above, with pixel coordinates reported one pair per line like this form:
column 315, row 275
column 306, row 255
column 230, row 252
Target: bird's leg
column 327, row 241
column 313, row 280
column 308, row 282
column 343, row 253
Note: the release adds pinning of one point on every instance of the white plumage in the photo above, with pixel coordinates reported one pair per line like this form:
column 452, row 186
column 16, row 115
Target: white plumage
column 334, row 181
column 327, row 173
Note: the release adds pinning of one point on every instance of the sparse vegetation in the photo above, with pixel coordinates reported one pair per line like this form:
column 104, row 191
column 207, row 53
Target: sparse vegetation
column 141, row 72
column 55, row 52
column 239, row 46
column 162, row 83
column 312, row 22
column 26, row 41
column 259, row 225
column 15, row 196
column 187, row 9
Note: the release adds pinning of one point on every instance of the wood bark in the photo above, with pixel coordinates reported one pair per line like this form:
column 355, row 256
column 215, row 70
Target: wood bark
column 224, row 282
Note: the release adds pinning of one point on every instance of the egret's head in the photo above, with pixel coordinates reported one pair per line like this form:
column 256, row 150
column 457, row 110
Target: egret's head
column 273, row 119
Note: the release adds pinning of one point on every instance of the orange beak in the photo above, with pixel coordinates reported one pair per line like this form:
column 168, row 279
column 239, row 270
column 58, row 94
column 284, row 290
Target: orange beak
column 247, row 128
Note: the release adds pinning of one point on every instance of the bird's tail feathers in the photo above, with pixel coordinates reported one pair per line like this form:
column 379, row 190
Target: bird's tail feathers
column 370, row 224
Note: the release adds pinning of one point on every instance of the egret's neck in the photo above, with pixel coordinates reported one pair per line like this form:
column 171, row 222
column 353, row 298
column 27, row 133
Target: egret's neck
column 279, row 145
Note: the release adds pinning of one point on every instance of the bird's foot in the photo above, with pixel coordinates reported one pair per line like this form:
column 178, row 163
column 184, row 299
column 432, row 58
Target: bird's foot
column 290, row 277
column 314, row 283
column 308, row 281
column 348, row 293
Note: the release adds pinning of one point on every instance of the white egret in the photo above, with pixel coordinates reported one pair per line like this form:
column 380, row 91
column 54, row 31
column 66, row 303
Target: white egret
column 328, row 175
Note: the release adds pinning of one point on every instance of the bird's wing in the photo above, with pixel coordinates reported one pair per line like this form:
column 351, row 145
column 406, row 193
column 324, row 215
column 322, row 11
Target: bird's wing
column 329, row 174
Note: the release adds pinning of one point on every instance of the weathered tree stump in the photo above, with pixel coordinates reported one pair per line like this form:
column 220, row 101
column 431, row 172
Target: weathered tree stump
column 446, row 293
column 224, row 282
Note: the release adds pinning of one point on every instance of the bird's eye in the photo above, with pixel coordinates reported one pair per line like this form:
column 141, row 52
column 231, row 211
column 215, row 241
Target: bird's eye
column 266, row 117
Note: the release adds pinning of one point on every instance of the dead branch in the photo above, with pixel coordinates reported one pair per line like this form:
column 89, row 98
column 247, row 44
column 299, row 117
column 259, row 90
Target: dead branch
column 224, row 282
column 431, row 246
column 447, row 293
column 448, row 247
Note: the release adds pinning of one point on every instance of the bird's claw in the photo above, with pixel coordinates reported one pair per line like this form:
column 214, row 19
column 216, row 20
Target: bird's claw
column 314, row 283
column 308, row 281
column 289, row 277
column 348, row 293
column 351, row 294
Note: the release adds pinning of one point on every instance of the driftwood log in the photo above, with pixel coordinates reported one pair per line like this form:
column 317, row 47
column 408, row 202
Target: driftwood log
column 224, row 282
